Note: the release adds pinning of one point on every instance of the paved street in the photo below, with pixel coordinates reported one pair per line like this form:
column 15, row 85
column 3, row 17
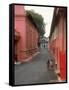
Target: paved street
column 36, row 70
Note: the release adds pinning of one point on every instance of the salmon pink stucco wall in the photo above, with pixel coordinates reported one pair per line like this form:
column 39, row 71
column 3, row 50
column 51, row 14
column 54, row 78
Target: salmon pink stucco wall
column 58, row 44
column 32, row 36
column 27, row 44
column 20, row 27
column 62, row 48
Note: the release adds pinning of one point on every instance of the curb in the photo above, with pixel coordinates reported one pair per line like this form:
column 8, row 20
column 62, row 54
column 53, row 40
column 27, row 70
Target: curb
column 26, row 60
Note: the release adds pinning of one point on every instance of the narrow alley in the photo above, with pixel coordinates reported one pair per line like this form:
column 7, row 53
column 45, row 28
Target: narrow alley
column 35, row 71
column 40, row 44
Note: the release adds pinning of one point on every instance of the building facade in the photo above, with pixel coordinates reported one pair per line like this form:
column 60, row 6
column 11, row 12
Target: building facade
column 26, row 35
column 44, row 42
column 57, row 40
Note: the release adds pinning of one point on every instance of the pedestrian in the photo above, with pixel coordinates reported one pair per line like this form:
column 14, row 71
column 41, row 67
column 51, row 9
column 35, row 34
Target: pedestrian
column 51, row 64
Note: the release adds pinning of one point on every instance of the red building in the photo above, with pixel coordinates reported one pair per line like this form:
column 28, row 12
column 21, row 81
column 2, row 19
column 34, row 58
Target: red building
column 57, row 40
column 26, row 35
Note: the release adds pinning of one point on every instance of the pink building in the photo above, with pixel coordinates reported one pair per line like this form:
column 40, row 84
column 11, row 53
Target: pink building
column 57, row 40
column 26, row 35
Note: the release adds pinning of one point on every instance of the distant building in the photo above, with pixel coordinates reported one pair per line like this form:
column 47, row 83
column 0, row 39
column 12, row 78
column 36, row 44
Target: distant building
column 57, row 40
column 44, row 42
column 26, row 35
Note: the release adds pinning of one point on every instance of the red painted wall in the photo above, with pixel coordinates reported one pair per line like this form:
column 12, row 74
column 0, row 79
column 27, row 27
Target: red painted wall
column 25, row 45
column 32, row 37
column 58, row 46
column 20, row 26
column 62, row 48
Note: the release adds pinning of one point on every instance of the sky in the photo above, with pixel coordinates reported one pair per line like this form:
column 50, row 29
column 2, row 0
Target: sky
column 47, row 14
